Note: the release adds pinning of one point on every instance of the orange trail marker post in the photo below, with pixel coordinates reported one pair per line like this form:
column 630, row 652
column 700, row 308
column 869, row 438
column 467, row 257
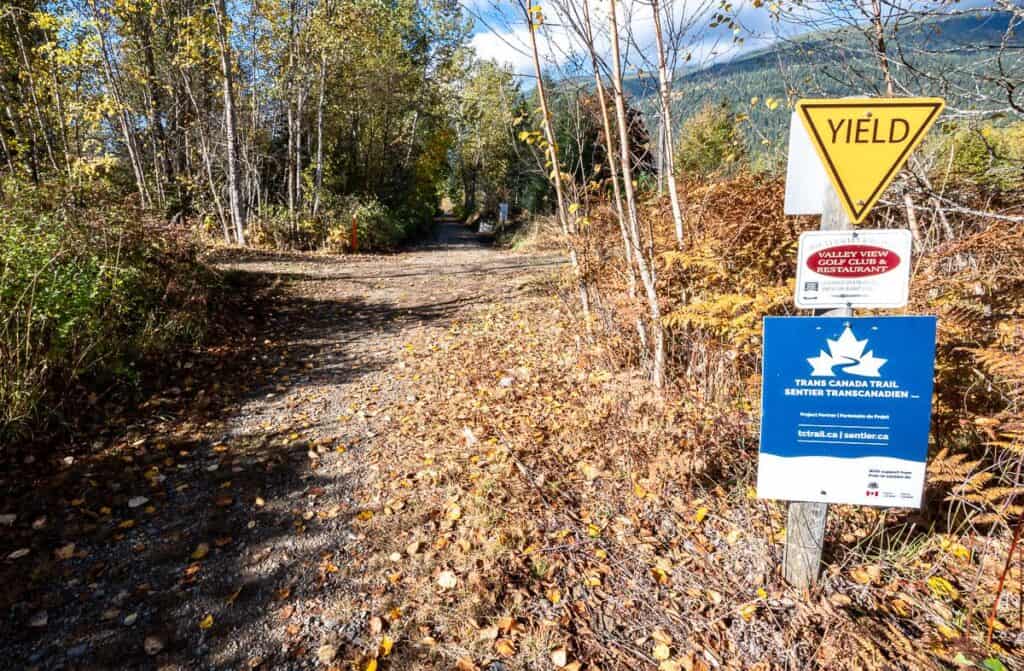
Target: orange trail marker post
column 353, row 241
column 863, row 142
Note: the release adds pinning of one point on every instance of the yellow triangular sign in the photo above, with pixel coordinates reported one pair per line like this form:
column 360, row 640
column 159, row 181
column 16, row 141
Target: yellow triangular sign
column 863, row 142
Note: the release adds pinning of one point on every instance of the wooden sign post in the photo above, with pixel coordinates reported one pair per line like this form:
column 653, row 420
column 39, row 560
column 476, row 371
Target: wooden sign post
column 805, row 524
column 861, row 143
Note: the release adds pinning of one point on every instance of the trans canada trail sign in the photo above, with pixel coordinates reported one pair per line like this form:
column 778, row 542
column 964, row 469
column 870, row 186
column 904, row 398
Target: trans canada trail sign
column 863, row 142
column 846, row 409
column 853, row 269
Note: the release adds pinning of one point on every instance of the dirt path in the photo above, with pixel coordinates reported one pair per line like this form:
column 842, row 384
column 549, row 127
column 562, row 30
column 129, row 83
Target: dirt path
column 206, row 530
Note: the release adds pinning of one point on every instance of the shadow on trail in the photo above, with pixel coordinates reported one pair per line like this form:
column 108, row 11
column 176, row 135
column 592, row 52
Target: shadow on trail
column 169, row 513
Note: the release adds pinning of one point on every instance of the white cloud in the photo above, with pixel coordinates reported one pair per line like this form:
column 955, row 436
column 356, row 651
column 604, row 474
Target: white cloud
column 505, row 47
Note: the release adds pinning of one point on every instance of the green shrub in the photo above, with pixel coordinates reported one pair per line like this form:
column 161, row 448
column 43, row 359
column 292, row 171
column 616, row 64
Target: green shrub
column 710, row 142
column 83, row 295
column 987, row 156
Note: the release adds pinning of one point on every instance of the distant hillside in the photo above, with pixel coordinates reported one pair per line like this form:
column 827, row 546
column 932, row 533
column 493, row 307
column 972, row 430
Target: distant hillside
column 840, row 64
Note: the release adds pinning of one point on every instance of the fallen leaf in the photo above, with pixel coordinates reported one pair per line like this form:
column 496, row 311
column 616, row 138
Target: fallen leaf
column 943, row 589
column 365, row 516
column 201, row 551
column 661, row 652
column 137, row 501
column 505, row 647
column 65, row 552
column 861, row 575
column 560, row 656
column 206, row 622
column 840, row 600
column 447, row 580
column 670, row 665
column 18, row 554
column 699, row 516
column 386, row 644
column 326, row 654
column 747, row 611
column 554, row 596
column 371, row 665
column 152, row 645
column 901, row 607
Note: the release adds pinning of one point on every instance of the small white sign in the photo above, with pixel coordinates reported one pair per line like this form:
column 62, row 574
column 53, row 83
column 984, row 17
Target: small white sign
column 806, row 180
column 853, row 269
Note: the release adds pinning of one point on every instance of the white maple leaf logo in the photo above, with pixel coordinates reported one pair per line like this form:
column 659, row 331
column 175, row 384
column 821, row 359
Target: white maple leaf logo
column 846, row 354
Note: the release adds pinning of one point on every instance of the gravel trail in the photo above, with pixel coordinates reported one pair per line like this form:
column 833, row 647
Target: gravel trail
column 205, row 528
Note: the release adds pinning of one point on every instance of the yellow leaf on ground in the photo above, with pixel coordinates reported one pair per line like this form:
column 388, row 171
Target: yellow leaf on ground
column 942, row 588
column 554, row 596
column 661, row 652
column 505, row 647
column 371, row 665
column 660, row 636
column 860, row 575
column 365, row 516
column 206, row 622
column 699, row 516
column 386, row 644
column 747, row 611
column 201, row 551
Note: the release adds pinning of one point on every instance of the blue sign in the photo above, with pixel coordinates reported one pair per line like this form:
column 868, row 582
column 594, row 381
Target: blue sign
column 846, row 409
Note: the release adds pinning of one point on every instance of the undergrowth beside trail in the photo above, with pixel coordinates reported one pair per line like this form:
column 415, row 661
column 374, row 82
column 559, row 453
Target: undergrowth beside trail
column 87, row 293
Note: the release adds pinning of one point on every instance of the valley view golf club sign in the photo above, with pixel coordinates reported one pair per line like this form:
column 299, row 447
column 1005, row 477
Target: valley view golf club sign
column 853, row 269
column 846, row 401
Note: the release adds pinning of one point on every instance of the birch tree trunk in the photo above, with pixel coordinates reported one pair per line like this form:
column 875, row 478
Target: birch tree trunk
column 568, row 229
column 123, row 118
column 647, row 272
column 668, row 146
column 319, row 178
column 234, row 181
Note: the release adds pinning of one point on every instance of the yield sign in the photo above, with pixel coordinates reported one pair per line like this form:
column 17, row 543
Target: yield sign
column 863, row 142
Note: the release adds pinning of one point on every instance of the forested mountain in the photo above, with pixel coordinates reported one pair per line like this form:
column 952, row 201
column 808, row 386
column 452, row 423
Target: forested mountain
column 953, row 57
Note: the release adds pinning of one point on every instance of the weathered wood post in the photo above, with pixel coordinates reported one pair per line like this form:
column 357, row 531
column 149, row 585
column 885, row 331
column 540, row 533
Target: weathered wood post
column 805, row 524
